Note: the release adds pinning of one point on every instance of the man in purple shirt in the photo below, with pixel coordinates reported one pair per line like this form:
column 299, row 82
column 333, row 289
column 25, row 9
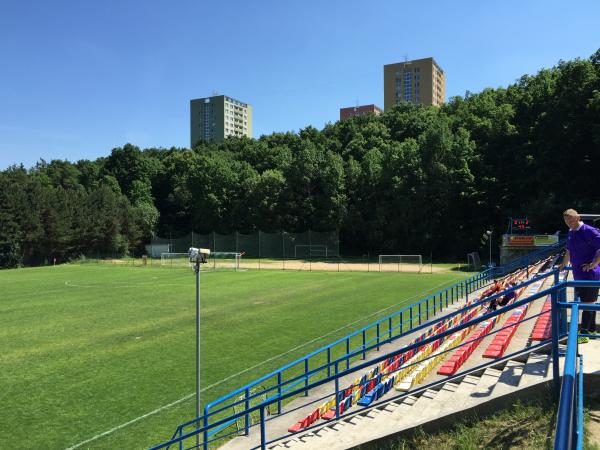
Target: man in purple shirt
column 583, row 250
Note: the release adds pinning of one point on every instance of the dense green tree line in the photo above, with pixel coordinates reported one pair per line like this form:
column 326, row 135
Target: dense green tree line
column 415, row 179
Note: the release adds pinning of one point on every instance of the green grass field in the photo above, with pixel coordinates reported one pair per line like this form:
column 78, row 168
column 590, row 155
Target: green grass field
column 85, row 349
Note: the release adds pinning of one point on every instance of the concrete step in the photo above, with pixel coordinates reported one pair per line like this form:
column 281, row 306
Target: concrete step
column 536, row 369
column 309, row 437
column 423, row 404
column 443, row 397
column 486, row 384
column 510, row 378
column 339, row 426
column 425, row 399
column 461, row 395
column 290, row 443
column 356, row 419
column 447, row 391
column 409, row 400
column 391, row 407
column 405, row 409
column 467, row 385
column 325, row 431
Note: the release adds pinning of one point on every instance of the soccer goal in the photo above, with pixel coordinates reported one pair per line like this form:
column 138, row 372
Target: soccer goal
column 473, row 261
column 311, row 251
column 225, row 260
column 400, row 263
column 174, row 259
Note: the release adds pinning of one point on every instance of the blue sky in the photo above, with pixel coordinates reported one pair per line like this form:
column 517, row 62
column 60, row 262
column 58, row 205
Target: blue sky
column 78, row 78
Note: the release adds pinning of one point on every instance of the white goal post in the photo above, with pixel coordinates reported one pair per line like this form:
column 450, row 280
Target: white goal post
column 302, row 250
column 225, row 260
column 410, row 263
column 473, row 261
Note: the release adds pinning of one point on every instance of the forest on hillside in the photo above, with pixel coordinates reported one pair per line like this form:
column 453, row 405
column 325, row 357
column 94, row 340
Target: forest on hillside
column 412, row 180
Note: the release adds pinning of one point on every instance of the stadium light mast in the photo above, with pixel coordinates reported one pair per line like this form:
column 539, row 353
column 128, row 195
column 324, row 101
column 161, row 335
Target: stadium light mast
column 198, row 256
column 489, row 234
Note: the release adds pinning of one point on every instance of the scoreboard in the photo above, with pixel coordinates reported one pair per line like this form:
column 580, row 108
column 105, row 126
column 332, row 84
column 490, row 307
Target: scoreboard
column 519, row 225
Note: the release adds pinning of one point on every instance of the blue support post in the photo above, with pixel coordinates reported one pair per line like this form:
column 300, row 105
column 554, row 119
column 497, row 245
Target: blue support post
column 580, row 405
column 390, row 328
column 377, row 336
column 364, row 346
column 566, row 405
column 411, row 319
column 419, row 313
column 445, row 295
column 337, row 390
column 555, row 335
column 401, row 322
column 279, row 380
column 347, row 357
column 263, row 434
column 306, row 376
column 329, row 361
column 247, row 406
column 205, row 443
column 562, row 297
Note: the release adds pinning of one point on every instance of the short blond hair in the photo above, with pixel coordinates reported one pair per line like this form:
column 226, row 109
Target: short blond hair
column 571, row 213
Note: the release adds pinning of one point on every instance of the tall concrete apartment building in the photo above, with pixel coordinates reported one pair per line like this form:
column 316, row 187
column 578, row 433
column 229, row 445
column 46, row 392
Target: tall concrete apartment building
column 212, row 119
column 421, row 81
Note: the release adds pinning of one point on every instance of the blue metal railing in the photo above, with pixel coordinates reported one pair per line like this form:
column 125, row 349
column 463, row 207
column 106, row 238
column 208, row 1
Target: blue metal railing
column 310, row 367
column 212, row 424
column 300, row 377
column 569, row 422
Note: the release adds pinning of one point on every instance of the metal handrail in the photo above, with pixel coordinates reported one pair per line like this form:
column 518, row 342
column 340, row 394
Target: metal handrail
column 569, row 422
column 463, row 287
column 359, row 367
column 362, row 350
column 467, row 286
column 475, row 281
column 204, row 429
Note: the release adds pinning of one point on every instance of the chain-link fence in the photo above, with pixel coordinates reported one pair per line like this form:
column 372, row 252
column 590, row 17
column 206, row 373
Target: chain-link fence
column 310, row 250
column 309, row 245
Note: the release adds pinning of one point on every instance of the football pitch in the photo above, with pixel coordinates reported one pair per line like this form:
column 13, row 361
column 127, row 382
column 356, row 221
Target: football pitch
column 103, row 357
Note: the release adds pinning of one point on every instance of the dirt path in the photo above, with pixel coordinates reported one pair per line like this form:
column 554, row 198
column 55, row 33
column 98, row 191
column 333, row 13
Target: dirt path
column 340, row 266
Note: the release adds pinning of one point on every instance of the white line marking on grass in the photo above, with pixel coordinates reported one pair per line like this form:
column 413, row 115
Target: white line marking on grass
column 187, row 397
column 68, row 283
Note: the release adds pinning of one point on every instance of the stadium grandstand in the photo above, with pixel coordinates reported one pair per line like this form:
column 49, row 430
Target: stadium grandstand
column 446, row 355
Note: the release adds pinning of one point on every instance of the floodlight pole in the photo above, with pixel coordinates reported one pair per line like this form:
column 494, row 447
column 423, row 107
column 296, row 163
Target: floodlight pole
column 197, row 270
column 489, row 233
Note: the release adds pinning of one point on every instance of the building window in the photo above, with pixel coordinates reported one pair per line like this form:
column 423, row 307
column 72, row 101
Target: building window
column 407, row 85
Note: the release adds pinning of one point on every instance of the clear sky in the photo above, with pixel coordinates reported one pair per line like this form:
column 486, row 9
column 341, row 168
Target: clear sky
column 78, row 78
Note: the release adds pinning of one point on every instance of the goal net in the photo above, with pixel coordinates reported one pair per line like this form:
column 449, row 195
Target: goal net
column 400, row 263
column 473, row 261
column 310, row 251
column 174, row 259
column 224, row 260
